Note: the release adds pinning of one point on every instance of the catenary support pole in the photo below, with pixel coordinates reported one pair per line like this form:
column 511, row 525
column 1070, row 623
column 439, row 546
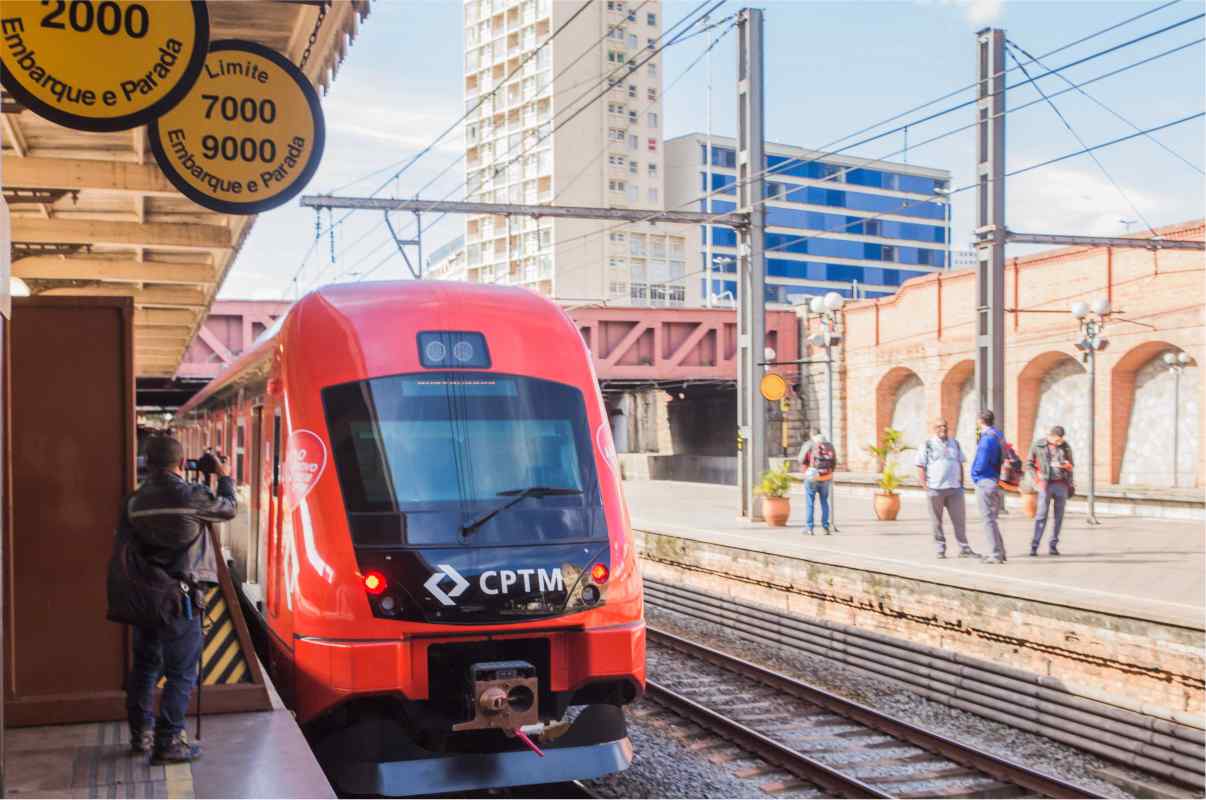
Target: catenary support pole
column 751, row 262
column 990, row 224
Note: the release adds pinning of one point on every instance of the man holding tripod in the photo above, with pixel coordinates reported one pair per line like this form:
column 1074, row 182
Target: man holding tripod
column 165, row 561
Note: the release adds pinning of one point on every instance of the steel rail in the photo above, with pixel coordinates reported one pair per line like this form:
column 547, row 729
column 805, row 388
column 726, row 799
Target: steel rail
column 765, row 748
column 962, row 754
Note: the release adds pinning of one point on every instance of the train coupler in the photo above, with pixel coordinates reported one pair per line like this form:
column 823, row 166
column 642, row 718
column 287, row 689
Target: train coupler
column 503, row 694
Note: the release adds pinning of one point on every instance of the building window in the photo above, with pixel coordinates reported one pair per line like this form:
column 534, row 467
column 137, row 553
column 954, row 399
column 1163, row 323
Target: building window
column 616, row 33
column 636, row 244
column 653, row 68
column 651, row 19
column 651, row 93
column 652, row 169
column 633, row 167
column 632, row 90
column 615, row 108
column 617, row 263
column 615, row 56
column 651, row 44
column 639, row 293
column 653, row 196
column 634, row 142
column 619, row 289
column 632, row 116
column 633, row 192
column 632, row 40
column 652, row 120
column 616, row 236
column 616, row 161
column 677, row 295
column 615, row 134
column 652, row 145
column 616, row 186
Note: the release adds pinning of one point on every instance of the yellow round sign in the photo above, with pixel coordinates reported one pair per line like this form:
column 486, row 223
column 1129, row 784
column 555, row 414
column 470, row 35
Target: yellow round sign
column 101, row 65
column 773, row 387
column 247, row 137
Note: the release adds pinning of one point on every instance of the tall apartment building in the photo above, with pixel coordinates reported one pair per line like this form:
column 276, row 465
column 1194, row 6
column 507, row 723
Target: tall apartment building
column 833, row 224
column 528, row 144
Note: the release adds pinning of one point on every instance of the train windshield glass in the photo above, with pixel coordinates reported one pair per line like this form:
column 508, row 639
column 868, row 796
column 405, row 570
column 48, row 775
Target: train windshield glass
column 419, row 455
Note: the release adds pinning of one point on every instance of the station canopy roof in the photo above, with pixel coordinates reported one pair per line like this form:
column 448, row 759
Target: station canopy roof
column 93, row 215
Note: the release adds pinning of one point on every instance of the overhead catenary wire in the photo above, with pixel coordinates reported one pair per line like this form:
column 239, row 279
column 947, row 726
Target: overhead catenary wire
column 1126, row 198
column 1111, row 110
column 800, row 161
column 1020, row 171
column 629, row 68
column 411, row 161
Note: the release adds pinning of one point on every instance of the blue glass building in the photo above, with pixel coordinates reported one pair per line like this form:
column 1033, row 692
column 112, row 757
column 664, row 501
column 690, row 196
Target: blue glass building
column 834, row 223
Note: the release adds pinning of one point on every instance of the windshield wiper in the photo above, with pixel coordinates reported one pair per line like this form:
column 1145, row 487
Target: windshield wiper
column 519, row 494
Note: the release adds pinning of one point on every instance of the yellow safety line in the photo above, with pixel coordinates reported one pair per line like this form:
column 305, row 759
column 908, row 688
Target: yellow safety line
column 179, row 781
column 215, row 643
column 238, row 672
column 224, row 661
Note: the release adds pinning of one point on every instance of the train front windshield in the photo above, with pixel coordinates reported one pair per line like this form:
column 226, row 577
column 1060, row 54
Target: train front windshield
column 422, row 457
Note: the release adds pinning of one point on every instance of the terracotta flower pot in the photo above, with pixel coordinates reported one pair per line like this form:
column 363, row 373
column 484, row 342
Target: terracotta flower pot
column 1030, row 503
column 887, row 506
column 776, row 510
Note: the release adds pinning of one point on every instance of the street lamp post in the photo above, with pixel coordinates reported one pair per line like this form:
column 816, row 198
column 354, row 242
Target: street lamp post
column 827, row 309
column 1176, row 363
column 1092, row 323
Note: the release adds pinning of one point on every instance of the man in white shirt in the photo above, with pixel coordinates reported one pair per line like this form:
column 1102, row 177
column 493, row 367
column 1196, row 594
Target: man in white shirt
column 940, row 466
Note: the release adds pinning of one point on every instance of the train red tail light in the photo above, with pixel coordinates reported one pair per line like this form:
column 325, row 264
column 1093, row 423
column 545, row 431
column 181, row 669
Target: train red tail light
column 599, row 573
column 375, row 583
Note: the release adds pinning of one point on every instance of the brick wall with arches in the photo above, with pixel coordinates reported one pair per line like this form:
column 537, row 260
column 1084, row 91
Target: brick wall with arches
column 912, row 355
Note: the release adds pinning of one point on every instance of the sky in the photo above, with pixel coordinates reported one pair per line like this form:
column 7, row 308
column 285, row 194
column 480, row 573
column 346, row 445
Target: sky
column 833, row 68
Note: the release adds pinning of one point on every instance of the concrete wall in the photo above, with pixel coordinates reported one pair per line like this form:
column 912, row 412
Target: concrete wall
column 927, row 329
column 694, row 469
column 1155, row 663
column 1148, row 457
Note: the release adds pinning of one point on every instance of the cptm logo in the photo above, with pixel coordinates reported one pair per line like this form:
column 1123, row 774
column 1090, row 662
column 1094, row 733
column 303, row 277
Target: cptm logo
column 493, row 582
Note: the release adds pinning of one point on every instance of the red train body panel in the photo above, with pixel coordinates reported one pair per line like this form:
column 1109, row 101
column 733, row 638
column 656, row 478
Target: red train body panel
column 430, row 490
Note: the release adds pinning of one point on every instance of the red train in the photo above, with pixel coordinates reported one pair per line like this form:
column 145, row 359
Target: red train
column 433, row 535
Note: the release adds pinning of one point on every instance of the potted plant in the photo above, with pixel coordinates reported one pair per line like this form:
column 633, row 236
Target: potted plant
column 776, row 506
column 887, row 501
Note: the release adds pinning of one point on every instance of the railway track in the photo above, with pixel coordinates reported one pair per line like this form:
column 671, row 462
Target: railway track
column 799, row 736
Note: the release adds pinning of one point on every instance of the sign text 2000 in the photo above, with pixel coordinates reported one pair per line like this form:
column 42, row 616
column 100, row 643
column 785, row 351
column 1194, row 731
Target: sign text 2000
column 106, row 16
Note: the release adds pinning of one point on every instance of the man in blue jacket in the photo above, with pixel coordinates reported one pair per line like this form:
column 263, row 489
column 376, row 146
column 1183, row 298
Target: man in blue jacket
column 986, row 469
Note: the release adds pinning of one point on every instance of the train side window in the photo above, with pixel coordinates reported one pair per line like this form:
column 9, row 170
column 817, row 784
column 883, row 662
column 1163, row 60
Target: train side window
column 275, row 569
column 256, row 502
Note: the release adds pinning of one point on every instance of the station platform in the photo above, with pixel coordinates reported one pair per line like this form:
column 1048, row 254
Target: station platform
column 1120, row 611
column 257, row 754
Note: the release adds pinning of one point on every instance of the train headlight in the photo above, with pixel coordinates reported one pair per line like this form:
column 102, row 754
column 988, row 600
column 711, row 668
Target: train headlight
column 599, row 573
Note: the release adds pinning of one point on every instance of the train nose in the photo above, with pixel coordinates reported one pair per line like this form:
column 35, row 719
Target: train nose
column 493, row 700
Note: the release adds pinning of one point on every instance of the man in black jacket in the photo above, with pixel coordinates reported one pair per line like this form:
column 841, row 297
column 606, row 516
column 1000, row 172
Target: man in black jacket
column 170, row 519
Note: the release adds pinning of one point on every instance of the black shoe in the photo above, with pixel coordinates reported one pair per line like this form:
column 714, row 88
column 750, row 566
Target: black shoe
column 178, row 750
column 1051, row 551
column 1033, row 552
column 968, row 553
column 142, row 741
column 826, row 529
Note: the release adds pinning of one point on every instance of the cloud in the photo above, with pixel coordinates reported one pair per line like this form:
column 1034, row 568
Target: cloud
column 982, row 12
column 978, row 12
column 1078, row 201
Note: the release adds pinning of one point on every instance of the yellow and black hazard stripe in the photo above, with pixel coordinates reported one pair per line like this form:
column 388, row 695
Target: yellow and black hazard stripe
column 222, row 658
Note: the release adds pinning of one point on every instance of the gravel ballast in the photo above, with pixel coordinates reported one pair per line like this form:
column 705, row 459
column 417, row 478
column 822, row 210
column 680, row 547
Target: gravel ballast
column 1033, row 751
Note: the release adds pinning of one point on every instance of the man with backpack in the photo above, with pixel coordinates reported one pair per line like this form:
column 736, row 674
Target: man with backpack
column 1051, row 461
column 940, row 467
column 817, row 458
column 163, row 563
column 985, row 472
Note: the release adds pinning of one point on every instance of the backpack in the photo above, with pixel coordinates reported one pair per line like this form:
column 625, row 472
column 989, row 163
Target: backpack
column 1011, row 468
column 823, row 457
column 139, row 592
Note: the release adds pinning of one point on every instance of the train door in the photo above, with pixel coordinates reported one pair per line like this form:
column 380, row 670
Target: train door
column 255, row 500
column 275, row 567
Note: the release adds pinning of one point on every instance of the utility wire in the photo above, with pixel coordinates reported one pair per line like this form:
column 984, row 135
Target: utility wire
column 1009, row 48
column 629, row 69
column 1020, row 171
column 1109, row 108
column 410, row 162
column 800, row 160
